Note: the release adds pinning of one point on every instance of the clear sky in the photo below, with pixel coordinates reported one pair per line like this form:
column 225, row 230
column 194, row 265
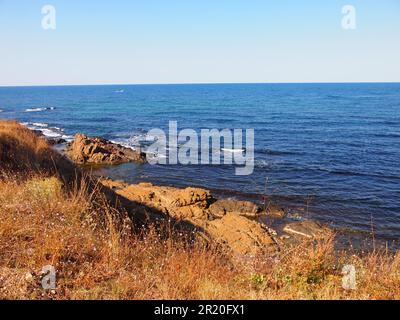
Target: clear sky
column 198, row 41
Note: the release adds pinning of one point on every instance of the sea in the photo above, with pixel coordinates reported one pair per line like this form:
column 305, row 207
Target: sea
column 329, row 152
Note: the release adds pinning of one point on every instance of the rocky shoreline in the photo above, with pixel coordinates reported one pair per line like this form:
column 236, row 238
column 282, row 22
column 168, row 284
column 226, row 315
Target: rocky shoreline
column 135, row 241
column 231, row 223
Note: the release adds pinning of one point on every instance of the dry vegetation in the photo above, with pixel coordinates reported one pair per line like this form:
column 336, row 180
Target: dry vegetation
column 97, row 255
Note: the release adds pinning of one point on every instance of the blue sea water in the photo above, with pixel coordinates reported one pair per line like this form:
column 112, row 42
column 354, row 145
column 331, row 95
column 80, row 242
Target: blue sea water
column 333, row 149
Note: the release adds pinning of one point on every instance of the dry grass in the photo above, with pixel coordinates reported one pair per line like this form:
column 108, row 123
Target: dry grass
column 20, row 149
column 94, row 258
column 97, row 255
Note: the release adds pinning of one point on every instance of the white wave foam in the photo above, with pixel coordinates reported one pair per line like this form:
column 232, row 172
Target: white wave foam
column 49, row 132
column 38, row 124
column 142, row 137
column 125, row 144
column 260, row 163
column 163, row 156
column 135, row 142
column 67, row 138
column 232, row 150
column 39, row 109
column 153, row 155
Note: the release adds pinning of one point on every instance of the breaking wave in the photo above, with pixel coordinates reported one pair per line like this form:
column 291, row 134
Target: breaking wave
column 39, row 109
column 47, row 131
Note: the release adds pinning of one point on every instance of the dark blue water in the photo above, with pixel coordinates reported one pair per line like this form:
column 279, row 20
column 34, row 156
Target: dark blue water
column 333, row 148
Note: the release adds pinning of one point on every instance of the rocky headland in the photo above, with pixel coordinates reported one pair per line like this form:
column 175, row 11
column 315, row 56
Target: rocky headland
column 87, row 150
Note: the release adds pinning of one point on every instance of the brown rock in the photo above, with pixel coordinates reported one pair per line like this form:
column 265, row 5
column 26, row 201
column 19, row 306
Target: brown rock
column 54, row 141
column 307, row 229
column 275, row 212
column 241, row 235
column 101, row 151
column 190, row 196
column 191, row 205
column 113, row 184
column 185, row 204
column 244, row 208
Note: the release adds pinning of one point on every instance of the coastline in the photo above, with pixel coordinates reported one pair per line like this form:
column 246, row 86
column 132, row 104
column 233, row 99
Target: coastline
column 332, row 176
column 201, row 208
column 271, row 216
column 280, row 216
column 132, row 241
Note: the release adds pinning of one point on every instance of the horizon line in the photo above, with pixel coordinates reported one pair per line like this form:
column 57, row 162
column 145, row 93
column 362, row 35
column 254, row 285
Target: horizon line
column 194, row 83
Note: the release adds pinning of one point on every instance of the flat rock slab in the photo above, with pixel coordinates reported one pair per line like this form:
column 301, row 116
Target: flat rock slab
column 307, row 229
column 224, row 206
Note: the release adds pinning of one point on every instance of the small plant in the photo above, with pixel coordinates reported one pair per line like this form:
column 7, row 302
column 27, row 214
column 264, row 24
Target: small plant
column 44, row 188
column 258, row 279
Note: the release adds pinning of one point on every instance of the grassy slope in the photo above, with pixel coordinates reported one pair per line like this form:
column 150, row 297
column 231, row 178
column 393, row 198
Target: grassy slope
column 98, row 256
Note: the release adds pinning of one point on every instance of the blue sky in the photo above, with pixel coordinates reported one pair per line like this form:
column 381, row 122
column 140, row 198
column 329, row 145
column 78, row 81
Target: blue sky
column 202, row 41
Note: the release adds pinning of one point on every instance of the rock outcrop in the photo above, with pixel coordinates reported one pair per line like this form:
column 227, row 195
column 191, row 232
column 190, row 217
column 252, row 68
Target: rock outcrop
column 241, row 235
column 245, row 208
column 87, row 150
column 231, row 223
column 222, row 221
column 183, row 204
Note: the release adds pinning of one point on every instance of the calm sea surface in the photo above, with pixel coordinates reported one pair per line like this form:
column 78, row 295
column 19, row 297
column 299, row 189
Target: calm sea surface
column 328, row 151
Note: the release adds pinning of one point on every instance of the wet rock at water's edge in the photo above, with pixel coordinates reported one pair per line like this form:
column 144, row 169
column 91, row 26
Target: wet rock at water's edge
column 307, row 229
column 88, row 150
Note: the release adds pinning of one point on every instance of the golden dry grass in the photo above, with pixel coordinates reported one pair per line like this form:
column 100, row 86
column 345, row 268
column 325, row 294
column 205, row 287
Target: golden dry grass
column 97, row 255
column 20, row 148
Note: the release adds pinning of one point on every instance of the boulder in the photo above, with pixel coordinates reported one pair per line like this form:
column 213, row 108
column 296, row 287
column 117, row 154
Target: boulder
column 231, row 230
column 185, row 204
column 241, row 235
column 87, row 150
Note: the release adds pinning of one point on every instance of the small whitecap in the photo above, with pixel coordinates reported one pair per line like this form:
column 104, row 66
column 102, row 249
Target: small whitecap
column 39, row 109
column 232, row 150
